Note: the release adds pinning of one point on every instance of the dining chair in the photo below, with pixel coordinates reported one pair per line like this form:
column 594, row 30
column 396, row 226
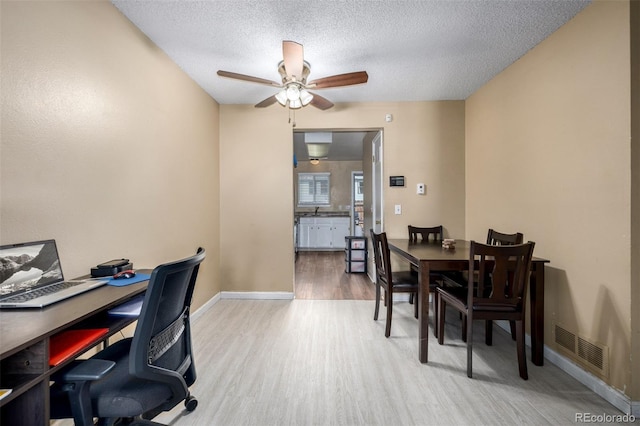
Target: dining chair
column 503, row 275
column 495, row 238
column 425, row 233
column 417, row 234
column 391, row 282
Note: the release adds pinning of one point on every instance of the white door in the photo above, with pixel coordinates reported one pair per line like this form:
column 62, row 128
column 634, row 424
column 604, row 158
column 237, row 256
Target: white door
column 376, row 174
column 376, row 201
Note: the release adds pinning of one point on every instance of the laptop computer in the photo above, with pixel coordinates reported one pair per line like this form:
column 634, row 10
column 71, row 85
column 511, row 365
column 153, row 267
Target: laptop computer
column 31, row 276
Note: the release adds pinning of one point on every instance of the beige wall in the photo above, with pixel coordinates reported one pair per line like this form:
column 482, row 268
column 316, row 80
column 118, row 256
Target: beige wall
column 425, row 142
column 635, row 197
column 547, row 154
column 106, row 145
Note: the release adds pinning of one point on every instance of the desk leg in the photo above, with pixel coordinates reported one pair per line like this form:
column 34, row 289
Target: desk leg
column 536, row 291
column 423, row 312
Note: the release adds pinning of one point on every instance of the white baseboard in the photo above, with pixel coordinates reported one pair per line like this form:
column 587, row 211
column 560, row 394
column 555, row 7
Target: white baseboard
column 253, row 295
column 257, row 295
column 204, row 308
column 599, row 387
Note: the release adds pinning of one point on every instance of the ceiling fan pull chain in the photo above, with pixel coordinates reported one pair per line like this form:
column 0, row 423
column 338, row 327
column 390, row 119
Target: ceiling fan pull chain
column 294, row 117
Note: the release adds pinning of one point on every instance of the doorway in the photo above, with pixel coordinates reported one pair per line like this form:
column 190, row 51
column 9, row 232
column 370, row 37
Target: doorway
column 319, row 271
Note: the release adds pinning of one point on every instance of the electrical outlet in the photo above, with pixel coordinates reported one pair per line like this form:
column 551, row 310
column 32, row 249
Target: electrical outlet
column 398, row 209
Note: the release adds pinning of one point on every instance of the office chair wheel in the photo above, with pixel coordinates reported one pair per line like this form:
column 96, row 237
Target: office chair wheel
column 190, row 403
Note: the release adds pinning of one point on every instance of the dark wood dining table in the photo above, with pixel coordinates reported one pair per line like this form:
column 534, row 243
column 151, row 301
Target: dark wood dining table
column 431, row 256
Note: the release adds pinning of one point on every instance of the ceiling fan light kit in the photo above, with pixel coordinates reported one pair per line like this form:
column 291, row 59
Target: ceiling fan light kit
column 294, row 95
column 294, row 71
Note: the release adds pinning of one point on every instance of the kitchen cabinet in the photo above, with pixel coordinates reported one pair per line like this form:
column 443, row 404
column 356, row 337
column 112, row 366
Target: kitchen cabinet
column 325, row 233
column 339, row 231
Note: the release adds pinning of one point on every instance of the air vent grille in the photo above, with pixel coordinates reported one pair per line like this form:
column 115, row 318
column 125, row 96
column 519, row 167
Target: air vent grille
column 592, row 355
column 565, row 338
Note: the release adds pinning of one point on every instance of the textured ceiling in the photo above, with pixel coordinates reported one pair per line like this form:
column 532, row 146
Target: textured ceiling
column 412, row 50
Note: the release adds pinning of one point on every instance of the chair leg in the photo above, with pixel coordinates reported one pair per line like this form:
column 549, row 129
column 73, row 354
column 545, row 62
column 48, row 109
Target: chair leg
column 415, row 305
column 488, row 332
column 512, row 326
column 522, row 356
column 469, row 327
column 436, row 316
column 442, row 307
column 375, row 313
column 464, row 327
column 411, row 298
column 387, row 331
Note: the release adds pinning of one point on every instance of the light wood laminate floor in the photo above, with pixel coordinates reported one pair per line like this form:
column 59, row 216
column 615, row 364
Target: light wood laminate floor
column 327, row 362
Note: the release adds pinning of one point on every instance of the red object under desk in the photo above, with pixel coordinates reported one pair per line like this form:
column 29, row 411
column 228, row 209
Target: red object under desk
column 64, row 345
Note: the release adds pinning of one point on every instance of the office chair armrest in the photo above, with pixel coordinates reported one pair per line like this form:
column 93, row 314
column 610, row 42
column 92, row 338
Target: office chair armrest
column 88, row 370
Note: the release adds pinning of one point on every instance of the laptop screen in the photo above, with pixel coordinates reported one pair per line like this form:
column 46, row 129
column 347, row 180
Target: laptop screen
column 27, row 266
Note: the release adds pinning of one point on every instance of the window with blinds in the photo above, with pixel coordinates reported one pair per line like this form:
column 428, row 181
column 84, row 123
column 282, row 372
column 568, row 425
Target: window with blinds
column 314, row 189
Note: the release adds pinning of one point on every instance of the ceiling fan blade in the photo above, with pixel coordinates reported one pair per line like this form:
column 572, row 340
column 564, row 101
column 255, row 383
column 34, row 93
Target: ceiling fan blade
column 340, row 80
column 320, row 102
column 293, row 56
column 247, row 78
column 269, row 101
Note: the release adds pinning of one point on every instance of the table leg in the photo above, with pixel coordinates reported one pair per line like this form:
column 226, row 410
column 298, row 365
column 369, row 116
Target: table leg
column 536, row 291
column 423, row 312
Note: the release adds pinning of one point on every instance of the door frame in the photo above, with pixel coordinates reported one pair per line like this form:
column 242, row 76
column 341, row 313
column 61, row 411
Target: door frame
column 377, row 194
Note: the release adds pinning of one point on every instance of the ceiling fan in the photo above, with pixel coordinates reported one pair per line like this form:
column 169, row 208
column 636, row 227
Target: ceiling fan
column 294, row 87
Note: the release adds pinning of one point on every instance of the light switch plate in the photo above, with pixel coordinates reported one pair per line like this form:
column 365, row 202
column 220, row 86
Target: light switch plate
column 398, row 209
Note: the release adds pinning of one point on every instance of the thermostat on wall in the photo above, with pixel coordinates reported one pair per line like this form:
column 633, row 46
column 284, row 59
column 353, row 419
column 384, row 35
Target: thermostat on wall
column 396, row 180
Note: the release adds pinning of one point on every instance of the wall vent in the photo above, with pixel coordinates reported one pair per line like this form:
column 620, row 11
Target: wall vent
column 592, row 355
column 565, row 338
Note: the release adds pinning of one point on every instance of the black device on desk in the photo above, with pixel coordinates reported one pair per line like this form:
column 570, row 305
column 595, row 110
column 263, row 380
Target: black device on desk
column 111, row 268
column 31, row 276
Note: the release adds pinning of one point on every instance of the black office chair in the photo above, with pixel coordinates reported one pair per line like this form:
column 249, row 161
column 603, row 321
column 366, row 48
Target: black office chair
column 135, row 379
